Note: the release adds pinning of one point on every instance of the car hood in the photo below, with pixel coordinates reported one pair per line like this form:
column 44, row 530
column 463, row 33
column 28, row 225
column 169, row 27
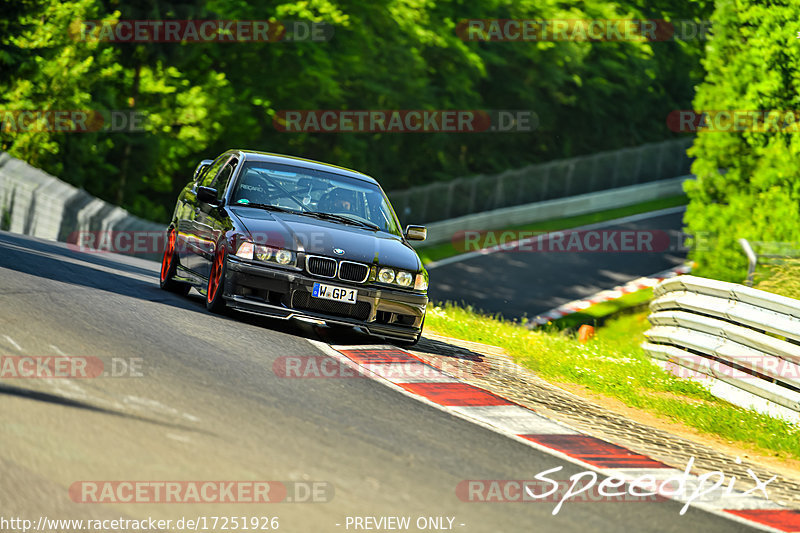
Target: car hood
column 321, row 237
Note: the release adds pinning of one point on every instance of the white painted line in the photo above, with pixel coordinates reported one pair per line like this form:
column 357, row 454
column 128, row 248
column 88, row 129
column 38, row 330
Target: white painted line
column 179, row 438
column 13, row 343
column 58, row 350
column 515, row 419
column 409, row 373
column 494, row 249
column 145, row 404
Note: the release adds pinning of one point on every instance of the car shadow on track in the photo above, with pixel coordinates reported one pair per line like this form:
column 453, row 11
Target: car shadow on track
column 122, row 275
column 49, row 397
column 138, row 278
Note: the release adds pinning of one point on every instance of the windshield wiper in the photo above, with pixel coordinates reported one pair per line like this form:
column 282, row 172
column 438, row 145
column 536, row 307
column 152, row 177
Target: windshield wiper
column 268, row 207
column 340, row 218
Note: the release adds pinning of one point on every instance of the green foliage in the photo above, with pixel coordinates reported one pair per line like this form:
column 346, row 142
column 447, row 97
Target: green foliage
column 614, row 364
column 748, row 182
column 782, row 278
column 201, row 99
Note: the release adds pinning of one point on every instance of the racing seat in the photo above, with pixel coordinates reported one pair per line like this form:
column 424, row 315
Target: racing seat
column 253, row 188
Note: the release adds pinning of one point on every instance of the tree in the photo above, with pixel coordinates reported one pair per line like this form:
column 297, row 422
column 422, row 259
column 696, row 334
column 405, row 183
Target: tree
column 747, row 181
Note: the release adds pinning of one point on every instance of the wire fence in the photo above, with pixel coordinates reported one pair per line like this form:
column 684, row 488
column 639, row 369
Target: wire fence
column 545, row 181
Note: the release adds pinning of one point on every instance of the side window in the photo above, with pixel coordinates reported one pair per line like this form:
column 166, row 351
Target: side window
column 212, row 171
column 224, row 177
column 218, row 178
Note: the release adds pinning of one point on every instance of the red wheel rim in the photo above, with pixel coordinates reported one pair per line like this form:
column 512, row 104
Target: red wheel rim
column 166, row 262
column 215, row 279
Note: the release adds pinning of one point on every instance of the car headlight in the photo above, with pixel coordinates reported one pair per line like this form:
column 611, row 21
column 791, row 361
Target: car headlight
column 421, row 284
column 395, row 277
column 283, row 257
column 263, row 253
column 249, row 250
column 404, row 278
column 386, row 275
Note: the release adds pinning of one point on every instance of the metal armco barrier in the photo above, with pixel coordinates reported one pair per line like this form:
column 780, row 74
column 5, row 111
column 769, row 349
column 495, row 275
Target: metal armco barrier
column 541, row 182
column 35, row 203
column 747, row 338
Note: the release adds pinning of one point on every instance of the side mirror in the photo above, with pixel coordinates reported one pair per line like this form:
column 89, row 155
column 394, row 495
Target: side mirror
column 201, row 167
column 207, row 195
column 416, row 233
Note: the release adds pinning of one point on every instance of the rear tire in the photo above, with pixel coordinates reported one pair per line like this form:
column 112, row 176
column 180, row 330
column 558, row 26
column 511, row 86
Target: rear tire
column 215, row 301
column 169, row 266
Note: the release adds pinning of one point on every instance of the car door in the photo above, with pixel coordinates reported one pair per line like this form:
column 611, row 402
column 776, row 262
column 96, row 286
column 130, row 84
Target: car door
column 208, row 221
column 190, row 248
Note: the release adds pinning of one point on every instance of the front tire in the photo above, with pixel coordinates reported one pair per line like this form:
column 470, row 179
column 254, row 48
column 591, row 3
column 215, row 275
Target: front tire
column 215, row 302
column 169, row 266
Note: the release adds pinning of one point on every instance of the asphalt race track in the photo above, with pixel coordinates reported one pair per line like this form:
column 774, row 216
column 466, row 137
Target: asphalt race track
column 524, row 283
column 208, row 406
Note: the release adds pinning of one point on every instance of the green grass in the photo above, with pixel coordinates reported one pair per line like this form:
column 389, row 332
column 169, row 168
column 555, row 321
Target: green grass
column 783, row 278
column 615, row 365
column 437, row 252
column 598, row 313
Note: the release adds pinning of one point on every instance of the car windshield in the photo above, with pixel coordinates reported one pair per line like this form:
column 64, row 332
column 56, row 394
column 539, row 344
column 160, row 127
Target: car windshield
column 314, row 193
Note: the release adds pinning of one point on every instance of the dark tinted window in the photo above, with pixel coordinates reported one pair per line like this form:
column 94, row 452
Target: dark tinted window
column 307, row 190
column 219, row 175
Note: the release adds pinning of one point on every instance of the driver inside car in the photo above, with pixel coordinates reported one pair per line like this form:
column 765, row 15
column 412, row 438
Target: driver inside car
column 340, row 200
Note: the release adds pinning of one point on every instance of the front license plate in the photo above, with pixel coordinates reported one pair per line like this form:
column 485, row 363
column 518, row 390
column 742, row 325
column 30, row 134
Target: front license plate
column 339, row 294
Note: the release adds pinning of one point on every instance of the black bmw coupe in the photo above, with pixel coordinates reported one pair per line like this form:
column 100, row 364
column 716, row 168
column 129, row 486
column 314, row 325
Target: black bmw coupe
column 296, row 239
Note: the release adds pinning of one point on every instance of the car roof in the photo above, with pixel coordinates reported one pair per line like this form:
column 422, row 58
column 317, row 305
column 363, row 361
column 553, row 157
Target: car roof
column 267, row 157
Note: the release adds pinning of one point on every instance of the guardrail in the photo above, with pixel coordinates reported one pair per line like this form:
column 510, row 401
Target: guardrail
column 35, row 203
column 446, row 230
column 744, row 341
column 541, row 182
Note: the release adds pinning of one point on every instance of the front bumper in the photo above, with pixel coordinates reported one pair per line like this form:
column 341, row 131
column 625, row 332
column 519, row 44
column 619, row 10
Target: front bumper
column 286, row 294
